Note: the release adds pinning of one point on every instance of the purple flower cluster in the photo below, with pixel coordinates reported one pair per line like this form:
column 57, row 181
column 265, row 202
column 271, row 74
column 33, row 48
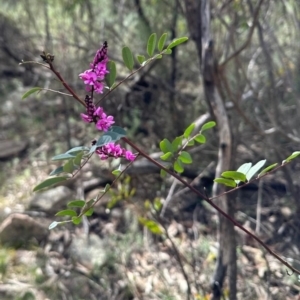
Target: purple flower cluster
column 93, row 77
column 113, row 150
column 96, row 115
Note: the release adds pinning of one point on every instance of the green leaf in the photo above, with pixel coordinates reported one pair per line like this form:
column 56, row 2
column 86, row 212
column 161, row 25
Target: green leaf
column 189, row 130
column 78, row 158
column 234, row 175
column 151, row 225
column 93, row 149
column 255, row 169
column 178, row 166
column 76, row 150
column 177, row 42
column 66, row 212
column 291, row 157
column 163, row 173
column 108, row 137
column 110, row 77
column 185, row 157
column 57, row 171
column 48, row 182
column 225, row 181
column 116, row 172
column 76, row 220
column 161, row 42
column 191, row 143
column 140, row 59
column 208, row 125
column 176, row 143
column 127, row 58
column 76, row 203
column 158, row 56
column 200, row 138
column 165, row 146
column 63, row 156
column 167, row 51
column 118, row 130
column 166, row 156
column 31, row 91
column 89, row 212
column 53, row 225
column 68, row 167
column 157, row 204
column 151, row 44
column 244, row 168
column 103, row 140
column 107, row 187
column 267, row 169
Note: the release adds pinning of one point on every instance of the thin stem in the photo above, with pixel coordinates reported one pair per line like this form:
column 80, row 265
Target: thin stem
column 33, row 62
column 101, row 195
column 128, row 76
column 65, row 84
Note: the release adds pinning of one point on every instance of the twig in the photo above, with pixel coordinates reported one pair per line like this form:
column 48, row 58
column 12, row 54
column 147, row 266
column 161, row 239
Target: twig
column 245, row 45
column 169, row 198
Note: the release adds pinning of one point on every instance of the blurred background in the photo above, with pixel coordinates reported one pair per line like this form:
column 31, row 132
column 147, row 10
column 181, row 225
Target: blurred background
column 111, row 255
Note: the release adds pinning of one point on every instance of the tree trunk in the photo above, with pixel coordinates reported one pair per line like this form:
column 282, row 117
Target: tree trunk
column 195, row 11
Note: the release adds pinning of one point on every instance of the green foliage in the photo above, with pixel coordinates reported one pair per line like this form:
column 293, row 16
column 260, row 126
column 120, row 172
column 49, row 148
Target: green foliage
column 185, row 157
column 243, row 174
column 77, row 150
column 66, row 212
column 267, row 169
column 31, row 91
column 127, row 58
column 110, row 77
column 141, row 59
column 161, row 42
column 165, row 146
column 178, row 167
column 49, row 182
column 208, row 125
column 118, row 171
column 174, row 151
column 57, row 171
column 151, row 45
column 76, row 220
column 76, row 203
column 63, row 156
column 291, row 157
column 124, row 192
column 253, row 170
column 237, row 176
column 177, row 42
column 225, row 181
column 189, row 130
column 200, row 138
column 68, row 167
column 151, row 225
column 176, row 143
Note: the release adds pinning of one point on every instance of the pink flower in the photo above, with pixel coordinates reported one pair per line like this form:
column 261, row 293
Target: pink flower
column 86, row 118
column 89, row 77
column 98, row 87
column 105, row 122
column 129, row 155
column 116, row 151
column 95, row 75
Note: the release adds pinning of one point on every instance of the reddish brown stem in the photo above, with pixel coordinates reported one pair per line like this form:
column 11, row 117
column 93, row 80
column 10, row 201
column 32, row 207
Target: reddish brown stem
column 66, row 85
column 208, row 200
